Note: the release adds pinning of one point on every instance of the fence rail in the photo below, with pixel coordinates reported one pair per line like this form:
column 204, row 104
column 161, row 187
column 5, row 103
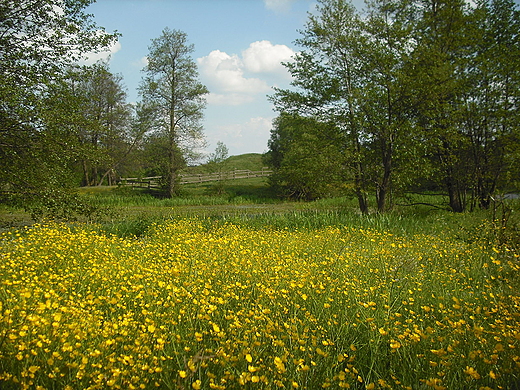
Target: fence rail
column 154, row 181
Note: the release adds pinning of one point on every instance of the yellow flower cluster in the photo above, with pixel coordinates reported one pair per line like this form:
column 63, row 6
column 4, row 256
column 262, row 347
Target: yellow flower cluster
column 202, row 305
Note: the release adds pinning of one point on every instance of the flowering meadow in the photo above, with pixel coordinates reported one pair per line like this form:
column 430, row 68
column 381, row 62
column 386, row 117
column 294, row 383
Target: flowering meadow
column 196, row 304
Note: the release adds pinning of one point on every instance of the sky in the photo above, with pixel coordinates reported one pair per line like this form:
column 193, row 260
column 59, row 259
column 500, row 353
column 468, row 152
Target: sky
column 239, row 46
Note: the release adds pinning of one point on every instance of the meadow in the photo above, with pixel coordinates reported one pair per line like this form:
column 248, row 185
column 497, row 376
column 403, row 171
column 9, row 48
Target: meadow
column 252, row 295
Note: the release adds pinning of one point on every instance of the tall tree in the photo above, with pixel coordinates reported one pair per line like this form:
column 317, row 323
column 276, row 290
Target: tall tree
column 39, row 40
column 468, row 77
column 444, row 47
column 101, row 102
column 418, row 88
column 327, row 84
column 171, row 86
column 306, row 157
column 386, row 103
column 352, row 72
column 490, row 114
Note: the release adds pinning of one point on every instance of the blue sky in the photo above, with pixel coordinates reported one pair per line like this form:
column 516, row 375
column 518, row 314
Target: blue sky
column 238, row 47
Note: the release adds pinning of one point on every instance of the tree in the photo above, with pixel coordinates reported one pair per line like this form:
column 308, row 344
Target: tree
column 490, row 114
column 386, row 102
column 39, row 40
column 443, row 49
column 220, row 154
column 327, row 83
column 468, row 77
column 215, row 164
column 104, row 132
column 417, row 88
column 351, row 73
column 306, row 157
column 171, row 86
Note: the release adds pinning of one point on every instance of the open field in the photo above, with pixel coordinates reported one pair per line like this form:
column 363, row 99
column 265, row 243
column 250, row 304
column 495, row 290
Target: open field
column 240, row 290
column 197, row 303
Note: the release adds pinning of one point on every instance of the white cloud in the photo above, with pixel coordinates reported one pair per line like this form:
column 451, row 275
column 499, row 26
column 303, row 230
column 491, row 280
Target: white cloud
column 280, row 6
column 141, row 63
column 226, row 74
column 93, row 57
column 264, row 57
column 230, row 99
column 248, row 137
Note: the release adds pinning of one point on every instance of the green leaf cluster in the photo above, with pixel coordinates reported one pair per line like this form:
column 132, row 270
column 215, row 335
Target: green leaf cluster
column 422, row 94
column 176, row 98
column 39, row 43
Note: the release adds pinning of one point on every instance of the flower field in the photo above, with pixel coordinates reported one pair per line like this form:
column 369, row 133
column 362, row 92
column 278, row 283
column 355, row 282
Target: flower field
column 200, row 305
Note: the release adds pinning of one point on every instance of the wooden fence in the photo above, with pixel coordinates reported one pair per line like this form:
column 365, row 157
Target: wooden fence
column 154, row 181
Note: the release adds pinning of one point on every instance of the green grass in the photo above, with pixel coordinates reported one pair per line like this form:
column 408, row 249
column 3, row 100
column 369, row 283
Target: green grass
column 244, row 290
column 200, row 303
column 248, row 161
column 250, row 202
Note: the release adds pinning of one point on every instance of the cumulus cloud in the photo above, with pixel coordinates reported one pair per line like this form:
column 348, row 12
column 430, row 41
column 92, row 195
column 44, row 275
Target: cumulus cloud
column 93, row 57
column 280, row 6
column 264, row 57
column 141, row 63
column 228, row 76
column 226, row 73
column 224, row 76
column 230, row 99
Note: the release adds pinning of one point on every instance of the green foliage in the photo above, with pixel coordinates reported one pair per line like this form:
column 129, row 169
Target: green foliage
column 38, row 146
column 220, row 155
column 56, row 204
column 173, row 93
column 103, row 125
column 215, row 165
column 422, row 92
column 306, row 157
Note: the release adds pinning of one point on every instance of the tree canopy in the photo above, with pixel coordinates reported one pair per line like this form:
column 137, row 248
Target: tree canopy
column 420, row 91
column 39, row 41
column 172, row 89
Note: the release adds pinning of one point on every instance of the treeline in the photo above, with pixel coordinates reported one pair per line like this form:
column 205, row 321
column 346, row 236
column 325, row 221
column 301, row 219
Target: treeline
column 63, row 124
column 404, row 95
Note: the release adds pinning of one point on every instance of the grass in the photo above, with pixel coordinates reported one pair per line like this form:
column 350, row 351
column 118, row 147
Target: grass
column 239, row 290
column 199, row 303
column 248, row 202
column 249, row 161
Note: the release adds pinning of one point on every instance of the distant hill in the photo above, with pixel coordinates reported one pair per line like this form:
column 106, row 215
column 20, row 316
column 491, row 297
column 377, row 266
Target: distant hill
column 250, row 161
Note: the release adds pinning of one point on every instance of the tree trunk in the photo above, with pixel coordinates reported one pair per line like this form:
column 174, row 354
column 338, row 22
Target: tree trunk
column 358, row 189
column 171, row 169
column 456, row 202
column 384, row 186
column 382, row 192
column 171, row 182
column 94, row 176
column 173, row 166
column 86, row 178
